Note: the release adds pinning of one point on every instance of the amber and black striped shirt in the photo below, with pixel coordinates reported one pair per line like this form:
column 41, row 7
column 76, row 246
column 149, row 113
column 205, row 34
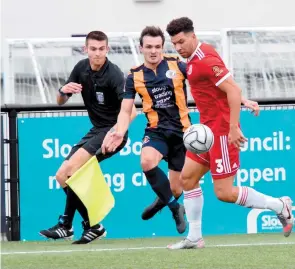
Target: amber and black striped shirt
column 163, row 93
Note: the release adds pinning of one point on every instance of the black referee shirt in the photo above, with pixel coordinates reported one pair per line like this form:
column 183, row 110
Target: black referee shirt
column 102, row 91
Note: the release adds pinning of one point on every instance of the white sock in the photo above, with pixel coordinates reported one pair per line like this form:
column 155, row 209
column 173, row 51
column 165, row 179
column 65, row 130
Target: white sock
column 193, row 204
column 248, row 197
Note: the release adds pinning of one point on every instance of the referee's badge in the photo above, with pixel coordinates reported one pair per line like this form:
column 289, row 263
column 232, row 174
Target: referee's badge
column 100, row 97
column 171, row 74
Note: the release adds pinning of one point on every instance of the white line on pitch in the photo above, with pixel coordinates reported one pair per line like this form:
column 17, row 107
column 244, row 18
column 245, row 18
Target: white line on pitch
column 138, row 248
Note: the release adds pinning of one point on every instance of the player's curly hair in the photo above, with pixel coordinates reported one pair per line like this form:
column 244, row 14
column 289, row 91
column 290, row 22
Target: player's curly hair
column 97, row 35
column 151, row 31
column 183, row 24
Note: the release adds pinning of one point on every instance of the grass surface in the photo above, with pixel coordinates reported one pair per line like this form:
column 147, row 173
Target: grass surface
column 263, row 251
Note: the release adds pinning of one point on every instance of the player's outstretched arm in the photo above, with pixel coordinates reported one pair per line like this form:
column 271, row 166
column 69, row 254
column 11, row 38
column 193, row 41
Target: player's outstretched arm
column 115, row 139
column 124, row 90
column 124, row 117
column 132, row 116
column 234, row 97
column 114, row 128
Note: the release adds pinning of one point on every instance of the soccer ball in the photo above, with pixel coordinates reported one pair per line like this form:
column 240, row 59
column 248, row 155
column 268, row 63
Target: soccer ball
column 198, row 138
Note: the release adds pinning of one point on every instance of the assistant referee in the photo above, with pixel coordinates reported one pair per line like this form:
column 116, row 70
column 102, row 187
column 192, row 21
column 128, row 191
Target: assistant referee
column 101, row 84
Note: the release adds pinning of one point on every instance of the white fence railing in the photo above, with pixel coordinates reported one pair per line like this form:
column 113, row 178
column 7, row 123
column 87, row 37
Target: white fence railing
column 261, row 59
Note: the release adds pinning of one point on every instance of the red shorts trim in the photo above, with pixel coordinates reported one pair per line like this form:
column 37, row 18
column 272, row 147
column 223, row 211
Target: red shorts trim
column 197, row 158
column 223, row 159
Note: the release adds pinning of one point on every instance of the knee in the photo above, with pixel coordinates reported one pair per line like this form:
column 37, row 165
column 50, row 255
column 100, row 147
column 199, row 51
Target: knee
column 188, row 182
column 62, row 175
column 148, row 162
column 61, row 178
column 176, row 188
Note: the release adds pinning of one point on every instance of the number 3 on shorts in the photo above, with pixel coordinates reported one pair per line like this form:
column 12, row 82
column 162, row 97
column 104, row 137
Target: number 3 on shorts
column 219, row 166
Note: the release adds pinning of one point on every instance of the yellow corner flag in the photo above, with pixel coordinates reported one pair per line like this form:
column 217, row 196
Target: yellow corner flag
column 90, row 186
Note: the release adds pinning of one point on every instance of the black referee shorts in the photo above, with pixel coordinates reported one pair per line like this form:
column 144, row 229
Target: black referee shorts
column 92, row 141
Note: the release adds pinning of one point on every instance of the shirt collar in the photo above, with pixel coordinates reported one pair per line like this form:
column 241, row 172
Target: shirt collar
column 101, row 70
column 194, row 53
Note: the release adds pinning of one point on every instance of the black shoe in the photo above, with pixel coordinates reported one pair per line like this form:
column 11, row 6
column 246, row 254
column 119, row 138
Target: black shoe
column 153, row 209
column 91, row 233
column 178, row 215
column 61, row 230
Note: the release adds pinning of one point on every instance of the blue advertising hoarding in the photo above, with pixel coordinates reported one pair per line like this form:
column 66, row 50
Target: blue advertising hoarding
column 266, row 165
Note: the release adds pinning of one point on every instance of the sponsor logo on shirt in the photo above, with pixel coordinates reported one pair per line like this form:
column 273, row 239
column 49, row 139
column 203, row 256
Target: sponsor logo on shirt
column 217, row 71
column 171, row 74
column 162, row 97
column 190, row 70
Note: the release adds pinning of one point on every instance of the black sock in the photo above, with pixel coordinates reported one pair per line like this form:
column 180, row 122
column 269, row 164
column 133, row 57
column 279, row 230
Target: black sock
column 78, row 205
column 161, row 186
column 176, row 197
column 71, row 205
column 82, row 210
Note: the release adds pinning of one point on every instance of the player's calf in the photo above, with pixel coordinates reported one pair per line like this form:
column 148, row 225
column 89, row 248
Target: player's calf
column 161, row 186
column 226, row 194
column 151, row 210
column 178, row 213
column 249, row 197
column 175, row 183
column 158, row 204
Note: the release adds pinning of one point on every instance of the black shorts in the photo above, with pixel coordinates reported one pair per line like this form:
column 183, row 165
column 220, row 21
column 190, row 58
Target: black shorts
column 92, row 141
column 169, row 143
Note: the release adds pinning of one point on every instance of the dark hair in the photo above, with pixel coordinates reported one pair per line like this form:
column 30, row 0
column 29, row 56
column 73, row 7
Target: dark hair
column 97, row 35
column 151, row 31
column 183, row 24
